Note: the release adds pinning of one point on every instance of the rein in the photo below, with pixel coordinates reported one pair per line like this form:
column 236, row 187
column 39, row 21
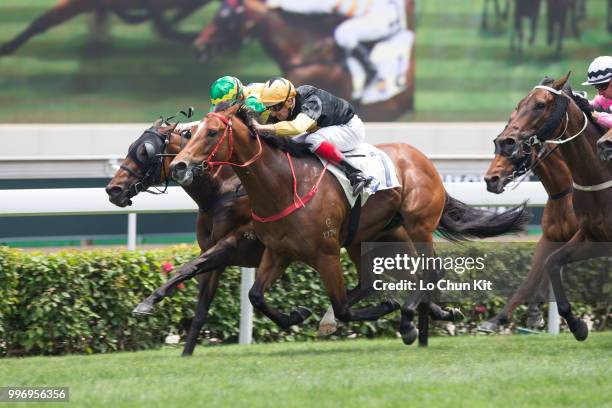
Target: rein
column 298, row 202
column 229, row 133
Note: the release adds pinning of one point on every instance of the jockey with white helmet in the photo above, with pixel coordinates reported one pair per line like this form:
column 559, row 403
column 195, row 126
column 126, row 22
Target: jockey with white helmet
column 366, row 20
column 328, row 123
column 600, row 76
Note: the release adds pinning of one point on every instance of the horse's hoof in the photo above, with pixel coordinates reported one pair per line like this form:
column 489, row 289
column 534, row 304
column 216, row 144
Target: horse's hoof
column 535, row 322
column 299, row 315
column 143, row 309
column 456, row 315
column 409, row 337
column 579, row 330
column 392, row 305
column 490, row 326
column 326, row 329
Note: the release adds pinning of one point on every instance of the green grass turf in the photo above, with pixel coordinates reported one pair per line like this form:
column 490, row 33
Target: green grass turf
column 461, row 74
column 533, row 370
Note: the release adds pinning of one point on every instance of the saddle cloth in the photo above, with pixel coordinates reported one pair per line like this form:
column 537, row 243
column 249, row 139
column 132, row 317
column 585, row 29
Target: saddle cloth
column 372, row 162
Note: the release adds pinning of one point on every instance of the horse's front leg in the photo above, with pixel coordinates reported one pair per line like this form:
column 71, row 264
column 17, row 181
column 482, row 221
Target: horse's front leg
column 576, row 249
column 207, row 289
column 270, row 269
column 535, row 282
column 216, row 257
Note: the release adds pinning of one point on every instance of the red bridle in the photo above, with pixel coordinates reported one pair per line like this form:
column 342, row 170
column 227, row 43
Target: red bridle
column 229, row 133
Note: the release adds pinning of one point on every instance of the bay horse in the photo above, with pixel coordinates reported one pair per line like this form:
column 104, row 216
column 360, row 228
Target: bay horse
column 305, row 54
column 512, row 160
column 315, row 227
column 551, row 114
column 224, row 227
column 130, row 11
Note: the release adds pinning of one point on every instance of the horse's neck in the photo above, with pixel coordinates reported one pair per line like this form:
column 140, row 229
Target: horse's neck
column 580, row 154
column 554, row 173
column 269, row 182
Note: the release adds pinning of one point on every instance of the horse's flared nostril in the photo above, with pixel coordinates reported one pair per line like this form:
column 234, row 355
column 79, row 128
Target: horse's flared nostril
column 492, row 183
column 605, row 149
column 113, row 191
column 178, row 170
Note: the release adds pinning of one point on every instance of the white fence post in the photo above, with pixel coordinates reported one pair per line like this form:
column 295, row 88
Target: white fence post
column 131, row 232
column 554, row 321
column 246, row 309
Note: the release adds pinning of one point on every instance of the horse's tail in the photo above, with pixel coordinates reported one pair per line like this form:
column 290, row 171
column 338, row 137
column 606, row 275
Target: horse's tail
column 460, row 222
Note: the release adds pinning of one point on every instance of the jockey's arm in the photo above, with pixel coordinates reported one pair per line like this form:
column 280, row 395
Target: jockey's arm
column 301, row 124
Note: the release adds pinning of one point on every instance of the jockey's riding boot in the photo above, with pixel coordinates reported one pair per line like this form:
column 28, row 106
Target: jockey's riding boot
column 363, row 56
column 358, row 180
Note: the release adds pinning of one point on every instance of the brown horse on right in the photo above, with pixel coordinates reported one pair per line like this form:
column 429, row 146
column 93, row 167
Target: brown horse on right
column 551, row 114
column 314, row 234
column 305, row 54
column 559, row 221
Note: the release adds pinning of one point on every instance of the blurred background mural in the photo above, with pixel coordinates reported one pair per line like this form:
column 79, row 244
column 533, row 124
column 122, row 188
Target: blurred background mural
column 120, row 64
column 407, row 60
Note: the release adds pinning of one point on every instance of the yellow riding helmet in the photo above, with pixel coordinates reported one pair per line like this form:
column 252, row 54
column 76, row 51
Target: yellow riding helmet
column 277, row 90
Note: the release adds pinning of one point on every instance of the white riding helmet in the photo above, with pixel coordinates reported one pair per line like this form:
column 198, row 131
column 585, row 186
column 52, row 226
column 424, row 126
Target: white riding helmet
column 600, row 71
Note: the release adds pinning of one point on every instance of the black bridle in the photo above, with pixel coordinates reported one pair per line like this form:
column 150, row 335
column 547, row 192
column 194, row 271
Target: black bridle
column 149, row 172
column 521, row 154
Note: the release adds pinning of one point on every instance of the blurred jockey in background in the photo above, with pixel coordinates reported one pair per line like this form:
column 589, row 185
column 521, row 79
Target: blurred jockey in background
column 366, row 21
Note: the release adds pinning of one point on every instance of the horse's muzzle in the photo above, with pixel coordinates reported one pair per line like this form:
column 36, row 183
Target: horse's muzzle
column 181, row 173
column 604, row 147
column 494, row 184
column 118, row 196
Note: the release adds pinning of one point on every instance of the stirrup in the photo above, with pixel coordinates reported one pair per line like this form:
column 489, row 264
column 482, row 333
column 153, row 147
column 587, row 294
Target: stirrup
column 359, row 182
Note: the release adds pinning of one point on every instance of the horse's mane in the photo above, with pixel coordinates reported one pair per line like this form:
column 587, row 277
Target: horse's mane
column 582, row 102
column 284, row 144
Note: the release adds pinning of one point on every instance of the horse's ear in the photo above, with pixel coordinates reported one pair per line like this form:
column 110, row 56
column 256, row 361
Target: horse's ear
column 560, row 83
column 157, row 123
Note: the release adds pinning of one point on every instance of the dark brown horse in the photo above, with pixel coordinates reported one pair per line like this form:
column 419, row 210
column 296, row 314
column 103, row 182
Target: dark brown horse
column 223, row 226
column 305, row 55
column 559, row 222
column 314, row 233
column 551, row 115
column 130, row 11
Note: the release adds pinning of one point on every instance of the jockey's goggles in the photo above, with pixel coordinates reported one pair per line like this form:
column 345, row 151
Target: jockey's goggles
column 602, row 87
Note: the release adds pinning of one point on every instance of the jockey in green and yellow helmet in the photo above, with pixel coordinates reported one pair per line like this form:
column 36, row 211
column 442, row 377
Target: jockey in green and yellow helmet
column 228, row 90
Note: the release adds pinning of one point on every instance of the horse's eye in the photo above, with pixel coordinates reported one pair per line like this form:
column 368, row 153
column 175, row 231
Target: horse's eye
column 540, row 105
column 212, row 133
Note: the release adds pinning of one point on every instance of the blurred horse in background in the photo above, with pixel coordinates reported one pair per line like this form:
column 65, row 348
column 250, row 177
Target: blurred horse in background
column 500, row 15
column 304, row 48
column 130, row 11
